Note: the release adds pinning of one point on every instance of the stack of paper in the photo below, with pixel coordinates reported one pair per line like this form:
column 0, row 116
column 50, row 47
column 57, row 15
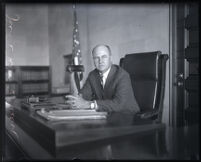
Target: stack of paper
column 36, row 105
column 75, row 114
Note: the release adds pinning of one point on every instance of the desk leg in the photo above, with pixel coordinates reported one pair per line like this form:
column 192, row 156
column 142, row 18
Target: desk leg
column 160, row 143
column 107, row 152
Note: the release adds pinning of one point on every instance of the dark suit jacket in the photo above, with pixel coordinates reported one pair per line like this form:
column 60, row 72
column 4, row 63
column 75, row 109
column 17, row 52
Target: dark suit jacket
column 117, row 94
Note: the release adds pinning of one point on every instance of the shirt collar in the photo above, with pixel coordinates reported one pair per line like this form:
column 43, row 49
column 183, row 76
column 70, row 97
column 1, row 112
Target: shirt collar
column 105, row 74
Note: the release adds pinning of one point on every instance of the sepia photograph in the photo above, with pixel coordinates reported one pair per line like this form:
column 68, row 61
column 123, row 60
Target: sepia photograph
column 101, row 81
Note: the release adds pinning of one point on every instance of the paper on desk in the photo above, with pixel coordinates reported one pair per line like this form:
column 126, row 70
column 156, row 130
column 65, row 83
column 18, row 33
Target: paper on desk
column 55, row 115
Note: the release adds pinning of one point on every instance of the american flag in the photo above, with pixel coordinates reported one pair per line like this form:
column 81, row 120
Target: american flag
column 76, row 53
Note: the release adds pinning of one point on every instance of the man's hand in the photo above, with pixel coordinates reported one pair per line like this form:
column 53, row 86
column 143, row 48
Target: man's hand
column 77, row 102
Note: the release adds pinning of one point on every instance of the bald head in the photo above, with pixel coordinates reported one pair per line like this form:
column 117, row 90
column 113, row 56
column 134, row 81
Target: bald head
column 101, row 47
column 102, row 57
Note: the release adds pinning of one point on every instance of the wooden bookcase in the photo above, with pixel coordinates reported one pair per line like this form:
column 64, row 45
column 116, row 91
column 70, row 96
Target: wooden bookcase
column 24, row 81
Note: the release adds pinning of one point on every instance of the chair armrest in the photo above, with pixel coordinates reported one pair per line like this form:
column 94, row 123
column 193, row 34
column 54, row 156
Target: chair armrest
column 146, row 115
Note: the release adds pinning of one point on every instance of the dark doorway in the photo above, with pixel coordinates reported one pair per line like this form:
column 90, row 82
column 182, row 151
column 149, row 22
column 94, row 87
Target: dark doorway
column 184, row 64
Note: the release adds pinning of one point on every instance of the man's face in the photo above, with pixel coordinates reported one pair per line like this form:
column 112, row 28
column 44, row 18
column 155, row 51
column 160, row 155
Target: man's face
column 102, row 58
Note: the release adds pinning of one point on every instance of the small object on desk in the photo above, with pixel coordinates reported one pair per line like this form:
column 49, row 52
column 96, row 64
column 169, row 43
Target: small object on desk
column 43, row 99
column 43, row 110
column 32, row 99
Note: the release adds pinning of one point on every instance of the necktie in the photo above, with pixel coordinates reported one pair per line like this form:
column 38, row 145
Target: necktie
column 101, row 79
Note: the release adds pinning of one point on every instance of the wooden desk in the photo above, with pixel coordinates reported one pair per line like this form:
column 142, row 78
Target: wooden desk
column 41, row 139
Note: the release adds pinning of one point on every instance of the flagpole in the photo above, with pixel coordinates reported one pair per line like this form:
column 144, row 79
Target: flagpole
column 76, row 68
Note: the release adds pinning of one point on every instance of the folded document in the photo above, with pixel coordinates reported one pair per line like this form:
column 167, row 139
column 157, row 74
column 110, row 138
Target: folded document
column 55, row 115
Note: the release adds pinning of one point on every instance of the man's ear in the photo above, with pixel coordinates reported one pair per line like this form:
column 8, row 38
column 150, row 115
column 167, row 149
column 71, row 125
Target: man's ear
column 111, row 58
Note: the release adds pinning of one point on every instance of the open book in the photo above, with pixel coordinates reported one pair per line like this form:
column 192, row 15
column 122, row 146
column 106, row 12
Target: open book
column 71, row 114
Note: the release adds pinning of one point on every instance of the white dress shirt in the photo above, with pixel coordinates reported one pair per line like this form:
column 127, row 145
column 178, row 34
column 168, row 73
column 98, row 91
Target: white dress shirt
column 105, row 75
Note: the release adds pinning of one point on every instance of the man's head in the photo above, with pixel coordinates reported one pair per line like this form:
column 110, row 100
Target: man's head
column 102, row 57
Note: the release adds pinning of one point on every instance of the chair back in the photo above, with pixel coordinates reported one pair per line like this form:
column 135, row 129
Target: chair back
column 147, row 72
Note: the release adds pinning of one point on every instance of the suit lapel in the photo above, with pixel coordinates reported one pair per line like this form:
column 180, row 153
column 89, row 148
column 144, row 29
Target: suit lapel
column 99, row 88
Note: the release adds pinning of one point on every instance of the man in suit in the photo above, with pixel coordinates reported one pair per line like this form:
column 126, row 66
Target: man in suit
column 107, row 88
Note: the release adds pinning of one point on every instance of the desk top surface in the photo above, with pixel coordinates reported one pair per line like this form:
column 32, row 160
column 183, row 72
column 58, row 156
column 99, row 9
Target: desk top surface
column 113, row 119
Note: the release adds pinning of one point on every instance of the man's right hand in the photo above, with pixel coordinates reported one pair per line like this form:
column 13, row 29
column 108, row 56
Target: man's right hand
column 78, row 102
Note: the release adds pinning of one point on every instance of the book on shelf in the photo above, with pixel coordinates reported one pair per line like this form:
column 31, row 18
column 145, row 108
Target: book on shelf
column 34, row 87
column 35, row 75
